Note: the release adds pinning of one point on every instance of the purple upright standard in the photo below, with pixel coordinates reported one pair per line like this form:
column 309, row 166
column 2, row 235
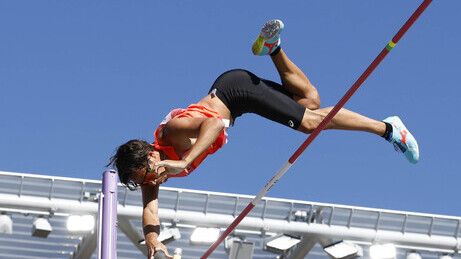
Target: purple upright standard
column 107, row 223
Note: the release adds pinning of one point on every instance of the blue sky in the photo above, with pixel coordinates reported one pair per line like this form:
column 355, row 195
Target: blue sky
column 79, row 78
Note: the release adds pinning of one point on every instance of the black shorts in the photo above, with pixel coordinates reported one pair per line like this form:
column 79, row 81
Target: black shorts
column 243, row 92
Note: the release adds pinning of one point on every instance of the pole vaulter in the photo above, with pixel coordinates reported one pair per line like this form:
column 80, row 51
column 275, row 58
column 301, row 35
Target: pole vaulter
column 322, row 125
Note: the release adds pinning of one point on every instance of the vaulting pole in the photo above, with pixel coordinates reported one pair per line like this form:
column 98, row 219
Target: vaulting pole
column 322, row 125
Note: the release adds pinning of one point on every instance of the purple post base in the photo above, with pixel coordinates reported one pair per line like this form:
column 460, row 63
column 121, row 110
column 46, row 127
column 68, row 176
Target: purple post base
column 107, row 218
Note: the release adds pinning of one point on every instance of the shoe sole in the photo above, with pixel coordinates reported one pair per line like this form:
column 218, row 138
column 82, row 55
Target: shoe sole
column 269, row 31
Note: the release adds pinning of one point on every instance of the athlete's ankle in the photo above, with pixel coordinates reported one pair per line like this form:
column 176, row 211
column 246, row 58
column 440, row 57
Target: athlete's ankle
column 276, row 51
column 388, row 133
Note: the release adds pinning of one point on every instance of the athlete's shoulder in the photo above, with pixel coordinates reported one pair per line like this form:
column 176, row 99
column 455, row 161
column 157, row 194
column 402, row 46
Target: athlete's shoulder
column 171, row 115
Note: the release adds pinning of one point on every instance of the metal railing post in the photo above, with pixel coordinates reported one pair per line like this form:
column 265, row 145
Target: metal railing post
column 107, row 220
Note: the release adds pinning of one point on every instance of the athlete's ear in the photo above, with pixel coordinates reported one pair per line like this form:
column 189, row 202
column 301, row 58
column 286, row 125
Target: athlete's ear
column 154, row 155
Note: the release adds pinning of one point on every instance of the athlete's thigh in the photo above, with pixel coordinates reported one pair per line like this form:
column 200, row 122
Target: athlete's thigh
column 243, row 92
column 277, row 104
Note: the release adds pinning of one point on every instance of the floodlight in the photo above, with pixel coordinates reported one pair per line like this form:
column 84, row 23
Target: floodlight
column 6, row 224
column 385, row 251
column 204, row 236
column 280, row 244
column 169, row 234
column 413, row 255
column 41, row 228
column 301, row 215
column 343, row 250
column 80, row 224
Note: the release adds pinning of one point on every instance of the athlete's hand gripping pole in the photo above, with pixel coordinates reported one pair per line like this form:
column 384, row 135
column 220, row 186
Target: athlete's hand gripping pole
column 322, row 125
column 161, row 253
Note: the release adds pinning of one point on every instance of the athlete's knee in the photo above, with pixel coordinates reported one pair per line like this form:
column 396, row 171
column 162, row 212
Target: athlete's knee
column 314, row 98
column 314, row 101
column 311, row 101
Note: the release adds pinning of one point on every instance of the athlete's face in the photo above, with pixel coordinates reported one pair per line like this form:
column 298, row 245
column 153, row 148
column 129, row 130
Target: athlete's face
column 147, row 175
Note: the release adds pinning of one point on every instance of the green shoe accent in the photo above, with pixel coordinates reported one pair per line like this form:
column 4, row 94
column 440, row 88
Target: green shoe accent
column 258, row 45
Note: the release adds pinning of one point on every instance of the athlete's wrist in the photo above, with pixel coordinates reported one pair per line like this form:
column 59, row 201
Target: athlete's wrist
column 187, row 162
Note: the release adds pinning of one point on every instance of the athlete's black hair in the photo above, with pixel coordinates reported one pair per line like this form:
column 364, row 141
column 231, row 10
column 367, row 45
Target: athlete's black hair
column 130, row 157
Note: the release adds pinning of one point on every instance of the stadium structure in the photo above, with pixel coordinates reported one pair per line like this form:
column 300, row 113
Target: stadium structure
column 44, row 217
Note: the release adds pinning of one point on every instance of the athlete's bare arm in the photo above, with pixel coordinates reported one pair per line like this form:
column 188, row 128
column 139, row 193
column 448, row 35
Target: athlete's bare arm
column 150, row 220
column 179, row 134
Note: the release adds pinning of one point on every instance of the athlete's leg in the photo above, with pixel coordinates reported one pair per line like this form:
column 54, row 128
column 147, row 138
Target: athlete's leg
column 296, row 81
column 293, row 79
column 344, row 120
column 305, row 113
column 399, row 135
